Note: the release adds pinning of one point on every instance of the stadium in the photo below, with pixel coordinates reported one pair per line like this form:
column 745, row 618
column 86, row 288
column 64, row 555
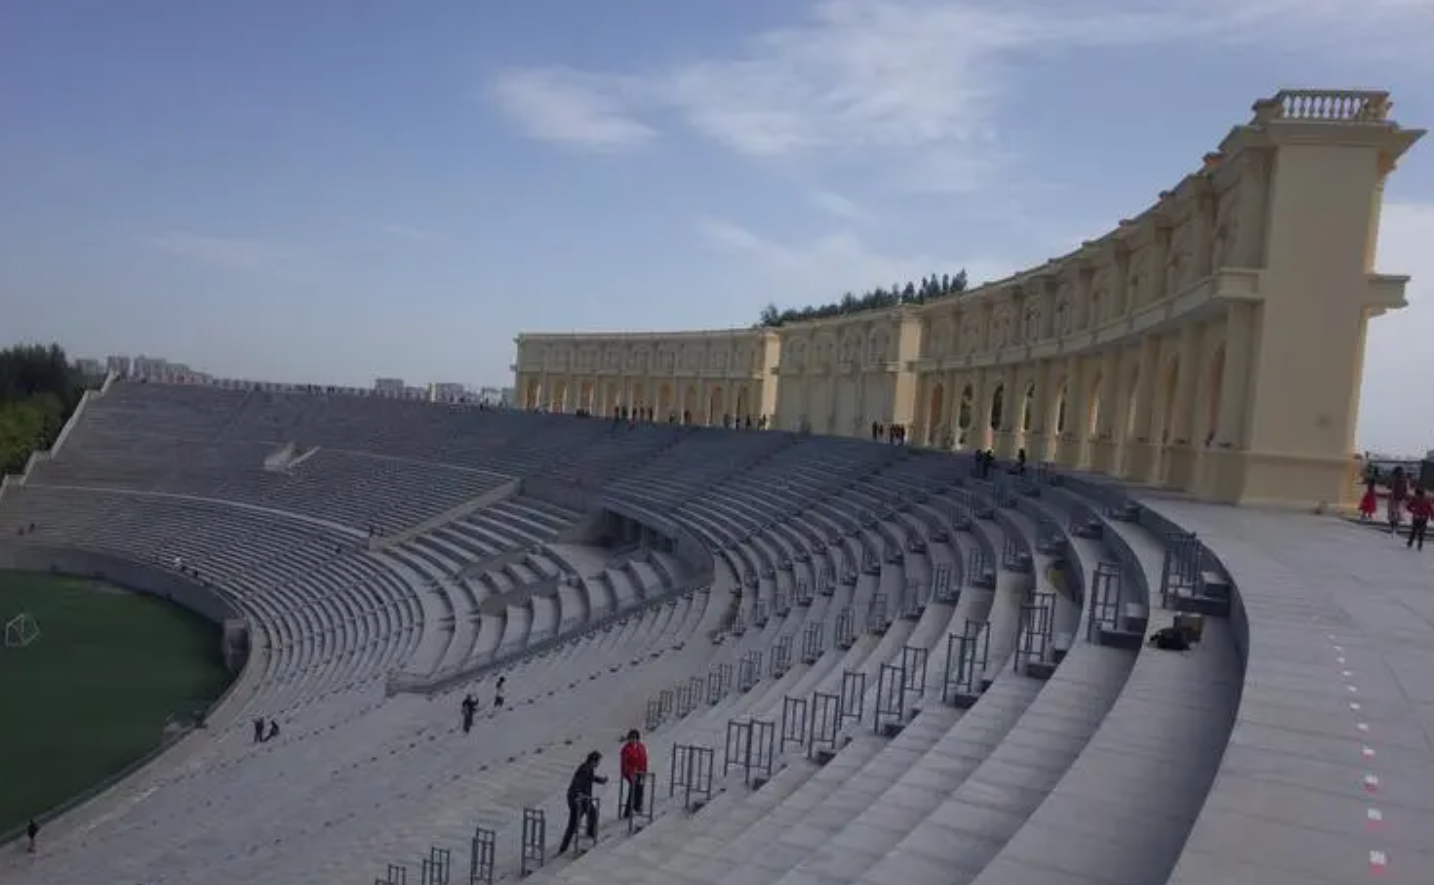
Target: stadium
column 1123, row 648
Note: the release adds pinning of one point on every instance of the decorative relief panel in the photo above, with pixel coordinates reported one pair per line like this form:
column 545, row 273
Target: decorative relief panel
column 1001, row 322
column 876, row 347
column 666, row 360
column 798, row 358
column 1098, row 306
column 851, row 347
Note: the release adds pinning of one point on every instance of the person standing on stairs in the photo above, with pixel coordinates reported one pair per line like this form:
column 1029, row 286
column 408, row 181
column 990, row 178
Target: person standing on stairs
column 634, row 772
column 580, row 800
column 470, row 709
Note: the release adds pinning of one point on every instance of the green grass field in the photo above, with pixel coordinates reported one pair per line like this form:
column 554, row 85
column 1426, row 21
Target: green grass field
column 93, row 694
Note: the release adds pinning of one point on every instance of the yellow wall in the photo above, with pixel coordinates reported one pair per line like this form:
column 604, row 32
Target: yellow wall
column 1212, row 344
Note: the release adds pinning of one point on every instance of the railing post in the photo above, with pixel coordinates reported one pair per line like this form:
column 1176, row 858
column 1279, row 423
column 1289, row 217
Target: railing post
column 480, row 864
column 534, row 840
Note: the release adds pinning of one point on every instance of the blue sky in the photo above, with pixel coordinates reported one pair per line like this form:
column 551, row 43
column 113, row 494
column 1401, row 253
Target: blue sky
column 332, row 191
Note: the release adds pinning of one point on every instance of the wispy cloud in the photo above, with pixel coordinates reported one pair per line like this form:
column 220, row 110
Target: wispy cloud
column 562, row 105
column 922, row 79
column 227, row 252
column 838, row 206
column 823, row 268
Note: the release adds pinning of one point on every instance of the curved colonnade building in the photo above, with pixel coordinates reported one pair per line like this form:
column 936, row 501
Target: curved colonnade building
column 1213, row 344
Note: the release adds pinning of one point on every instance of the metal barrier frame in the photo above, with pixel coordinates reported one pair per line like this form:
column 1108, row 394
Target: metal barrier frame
column 812, row 643
column 692, row 772
column 1181, row 574
column 1034, row 634
column 484, row 852
column 751, row 746
column 1107, row 600
column 967, row 656
column 876, row 620
column 853, row 695
column 719, row 683
column 890, row 696
column 795, row 722
column 437, row 867
column 781, row 659
column 534, row 840
column 647, row 780
column 825, row 722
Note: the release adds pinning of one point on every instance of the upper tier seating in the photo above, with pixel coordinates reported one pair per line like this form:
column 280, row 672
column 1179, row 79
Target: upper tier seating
column 899, row 670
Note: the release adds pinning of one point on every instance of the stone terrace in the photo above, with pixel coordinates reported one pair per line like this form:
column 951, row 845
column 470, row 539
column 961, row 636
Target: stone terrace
column 898, row 670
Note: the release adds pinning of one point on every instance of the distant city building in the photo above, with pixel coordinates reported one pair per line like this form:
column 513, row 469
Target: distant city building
column 388, row 387
column 447, row 392
column 120, row 365
column 90, row 369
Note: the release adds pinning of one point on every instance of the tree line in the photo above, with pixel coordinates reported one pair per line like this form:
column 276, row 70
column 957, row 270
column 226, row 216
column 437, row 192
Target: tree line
column 928, row 289
column 39, row 388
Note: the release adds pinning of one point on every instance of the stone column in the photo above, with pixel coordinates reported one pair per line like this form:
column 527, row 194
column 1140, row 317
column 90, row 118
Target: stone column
column 1143, row 450
column 1181, row 450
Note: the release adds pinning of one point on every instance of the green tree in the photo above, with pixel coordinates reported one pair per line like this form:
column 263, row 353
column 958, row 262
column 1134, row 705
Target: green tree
column 38, row 391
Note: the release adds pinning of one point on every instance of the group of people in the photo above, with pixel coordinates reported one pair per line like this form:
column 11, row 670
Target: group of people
column 1401, row 497
column 469, row 706
column 582, row 806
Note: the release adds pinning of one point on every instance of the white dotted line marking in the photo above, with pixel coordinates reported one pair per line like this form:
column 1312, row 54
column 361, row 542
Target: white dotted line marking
column 1366, row 751
column 1355, row 706
column 1362, row 726
column 1346, row 673
column 1378, row 862
column 1374, row 818
column 1371, row 783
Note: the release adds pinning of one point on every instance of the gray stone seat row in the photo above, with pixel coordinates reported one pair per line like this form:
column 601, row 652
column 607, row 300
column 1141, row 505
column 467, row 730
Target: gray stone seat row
column 1037, row 781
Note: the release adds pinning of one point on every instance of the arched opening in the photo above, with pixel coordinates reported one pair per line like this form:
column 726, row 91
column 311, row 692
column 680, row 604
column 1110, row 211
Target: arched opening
column 560, row 397
column 716, row 406
column 1028, row 408
column 963, row 415
column 533, row 397
column 1212, row 407
column 935, row 414
column 613, row 399
column 587, row 393
column 744, row 407
column 639, row 398
column 1061, row 397
column 692, row 405
column 998, row 406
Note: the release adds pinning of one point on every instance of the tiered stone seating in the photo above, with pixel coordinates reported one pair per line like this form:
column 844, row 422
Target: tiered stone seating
column 899, row 670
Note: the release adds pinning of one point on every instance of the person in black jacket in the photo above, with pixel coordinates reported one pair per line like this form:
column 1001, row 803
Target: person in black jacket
column 580, row 799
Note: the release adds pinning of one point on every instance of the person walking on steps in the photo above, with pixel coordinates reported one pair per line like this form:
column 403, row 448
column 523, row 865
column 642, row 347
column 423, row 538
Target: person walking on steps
column 1421, row 507
column 32, row 830
column 634, row 772
column 470, row 709
column 580, row 800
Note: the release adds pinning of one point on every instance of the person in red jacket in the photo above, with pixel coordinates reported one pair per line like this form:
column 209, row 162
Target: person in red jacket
column 634, row 772
column 1421, row 507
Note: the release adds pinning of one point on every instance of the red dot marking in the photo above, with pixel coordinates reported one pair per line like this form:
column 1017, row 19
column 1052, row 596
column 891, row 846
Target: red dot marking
column 1374, row 819
column 1371, row 783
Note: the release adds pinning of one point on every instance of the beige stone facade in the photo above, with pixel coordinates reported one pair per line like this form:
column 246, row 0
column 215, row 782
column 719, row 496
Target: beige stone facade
column 704, row 376
column 1213, row 344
